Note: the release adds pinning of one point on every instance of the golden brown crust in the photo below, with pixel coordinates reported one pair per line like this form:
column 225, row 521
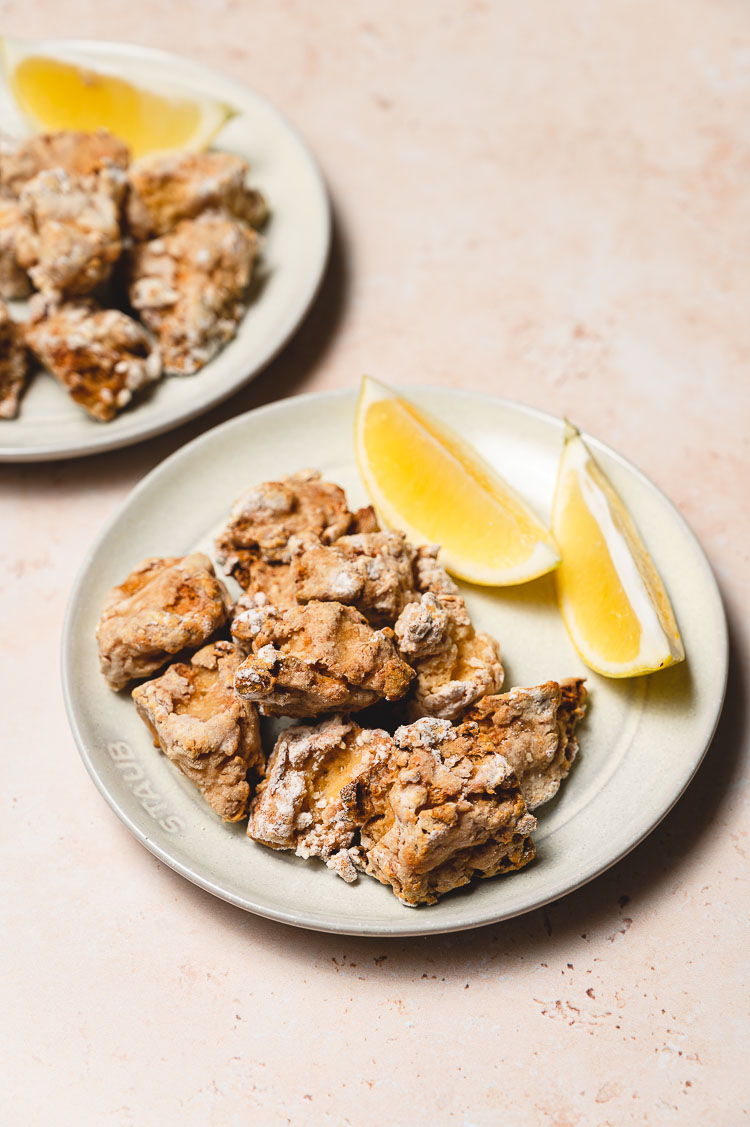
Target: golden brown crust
column 318, row 658
column 371, row 571
column 450, row 810
column 166, row 188
column 204, row 728
column 454, row 665
column 102, row 357
column 14, row 281
column 70, row 238
column 164, row 606
column 308, row 800
column 190, row 287
column 80, row 154
column 424, row 811
column 364, row 520
column 14, row 364
column 265, row 517
column 536, row 730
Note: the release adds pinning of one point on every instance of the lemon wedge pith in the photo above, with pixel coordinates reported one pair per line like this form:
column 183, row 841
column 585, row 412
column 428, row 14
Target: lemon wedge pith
column 424, row 479
column 611, row 597
column 55, row 93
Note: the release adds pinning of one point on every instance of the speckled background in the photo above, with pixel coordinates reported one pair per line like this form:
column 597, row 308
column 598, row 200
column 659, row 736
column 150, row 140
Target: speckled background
column 546, row 200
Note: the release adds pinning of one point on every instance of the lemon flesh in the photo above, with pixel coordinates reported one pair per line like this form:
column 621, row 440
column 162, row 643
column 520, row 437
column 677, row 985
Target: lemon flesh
column 55, row 94
column 425, row 480
column 612, row 600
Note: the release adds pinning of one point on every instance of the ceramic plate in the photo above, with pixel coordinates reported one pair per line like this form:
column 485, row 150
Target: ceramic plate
column 295, row 250
column 641, row 741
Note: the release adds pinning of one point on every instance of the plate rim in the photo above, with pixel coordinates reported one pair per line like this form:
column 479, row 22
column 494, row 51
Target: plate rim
column 328, row 924
column 47, row 452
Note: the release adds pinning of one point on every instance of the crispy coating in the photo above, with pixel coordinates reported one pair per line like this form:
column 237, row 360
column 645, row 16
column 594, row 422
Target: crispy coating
column 166, row 188
column 70, row 238
column 265, row 517
column 308, row 801
column 424, row 811
column 80, row 154
column 535, row 729
column 370, row 571
column 204, row 728
column 266, row 583
column 449, row 809
column 454, row 665
column 14, row 281
column 190, row 287
column 14, row 364
column 318, row 658
column 429, row 575
column 164, row 606
column 102, row 357
column 364, row 520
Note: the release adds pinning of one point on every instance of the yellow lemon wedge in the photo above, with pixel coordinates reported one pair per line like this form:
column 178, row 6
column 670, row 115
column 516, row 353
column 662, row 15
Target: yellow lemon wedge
column 55, row 93
column 424, row 479
column 612, row 600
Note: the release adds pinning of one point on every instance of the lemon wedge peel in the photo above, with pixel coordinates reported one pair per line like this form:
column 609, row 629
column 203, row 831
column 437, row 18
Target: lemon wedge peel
column 57, row 93
column 412, row 464
column 611, row 597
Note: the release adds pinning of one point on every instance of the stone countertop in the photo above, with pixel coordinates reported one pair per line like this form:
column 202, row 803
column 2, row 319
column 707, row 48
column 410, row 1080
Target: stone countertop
column 545, row 201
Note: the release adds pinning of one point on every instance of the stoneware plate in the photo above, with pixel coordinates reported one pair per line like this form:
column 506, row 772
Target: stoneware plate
column 641, row 741
column 296, row 240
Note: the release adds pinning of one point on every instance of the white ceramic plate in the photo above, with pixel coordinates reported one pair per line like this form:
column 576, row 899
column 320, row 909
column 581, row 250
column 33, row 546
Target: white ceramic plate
column 296, row 240
column 641, row 741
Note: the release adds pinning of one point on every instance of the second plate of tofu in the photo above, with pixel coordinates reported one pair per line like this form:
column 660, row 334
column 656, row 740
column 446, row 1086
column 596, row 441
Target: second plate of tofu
column 211, row 259
column 420, row 679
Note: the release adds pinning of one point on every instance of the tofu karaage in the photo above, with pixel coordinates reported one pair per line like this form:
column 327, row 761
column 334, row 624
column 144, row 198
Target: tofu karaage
column 317, row 658
column 102, row 357
column 190, row 287
column 78, row 153
column 164, row 606
column 167, row 187
column 536, row 732
column 69, row 239
column 210, row 734
column 254, row 547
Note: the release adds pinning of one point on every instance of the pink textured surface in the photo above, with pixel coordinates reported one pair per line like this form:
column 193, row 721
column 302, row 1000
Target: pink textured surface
column 548, row 201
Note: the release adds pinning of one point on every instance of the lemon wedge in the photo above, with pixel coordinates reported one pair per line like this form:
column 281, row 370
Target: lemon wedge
column 424, row 479
column 611, row 598
column 55, row 93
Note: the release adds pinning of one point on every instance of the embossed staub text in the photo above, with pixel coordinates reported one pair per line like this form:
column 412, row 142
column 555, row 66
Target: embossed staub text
column 137, row 781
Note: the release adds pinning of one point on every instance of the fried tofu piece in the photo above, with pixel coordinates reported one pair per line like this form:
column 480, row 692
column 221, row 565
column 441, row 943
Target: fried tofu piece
column 14, row 364
column 536, row 732
column 168, row 187
column 370, row 571
column 70, row 238
column 450, row 809
column 190, row 287
column 308, row 801
column 14, row 281
column 454, row 665
column 204, row 728
column 102, row 357
column 265, row 518
column 318, row 658
column 164, row 606
column 424, row 811
column 80, row 154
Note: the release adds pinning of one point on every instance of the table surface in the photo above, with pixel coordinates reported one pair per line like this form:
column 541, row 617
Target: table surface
column 546, row 201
